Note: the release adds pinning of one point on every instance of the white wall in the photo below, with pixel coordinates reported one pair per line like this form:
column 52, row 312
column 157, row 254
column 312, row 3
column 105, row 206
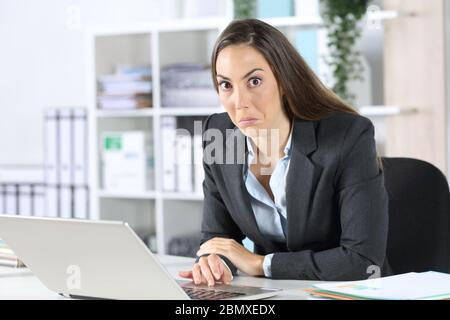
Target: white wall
column 42, row 62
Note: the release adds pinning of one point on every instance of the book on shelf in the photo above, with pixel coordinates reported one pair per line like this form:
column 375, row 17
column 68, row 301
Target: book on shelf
column 188, row 85
column 8, row 257
column 127, row 88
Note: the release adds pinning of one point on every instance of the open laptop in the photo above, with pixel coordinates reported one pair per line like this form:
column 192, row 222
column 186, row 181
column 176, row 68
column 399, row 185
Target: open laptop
column 100, row 259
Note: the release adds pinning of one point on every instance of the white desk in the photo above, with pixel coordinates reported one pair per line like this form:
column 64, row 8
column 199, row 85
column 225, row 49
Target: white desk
column 22, row 284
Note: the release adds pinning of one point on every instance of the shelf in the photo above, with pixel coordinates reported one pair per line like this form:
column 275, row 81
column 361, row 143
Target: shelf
column 125, row 113
column 182, row 196
column 151, row 195
column 313, row 21
column 200, row 111
column 383, row 111
column 208, row 23
column 191, row 24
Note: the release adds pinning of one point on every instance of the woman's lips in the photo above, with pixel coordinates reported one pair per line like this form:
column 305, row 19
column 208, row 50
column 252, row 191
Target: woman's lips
column 248, row 121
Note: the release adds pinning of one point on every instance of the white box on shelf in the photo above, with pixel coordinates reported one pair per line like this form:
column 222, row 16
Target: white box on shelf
column 124, row 161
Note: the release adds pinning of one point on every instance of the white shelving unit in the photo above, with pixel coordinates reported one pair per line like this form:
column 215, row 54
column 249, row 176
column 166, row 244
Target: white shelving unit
column 157, row 44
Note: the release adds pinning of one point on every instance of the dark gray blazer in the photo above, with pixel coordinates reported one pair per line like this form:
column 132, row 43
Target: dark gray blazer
column 337, row 205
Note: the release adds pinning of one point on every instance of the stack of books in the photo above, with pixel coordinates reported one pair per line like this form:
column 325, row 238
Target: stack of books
column 409, row 286
column 128, row 88
column 188, row 85
column 8, row 258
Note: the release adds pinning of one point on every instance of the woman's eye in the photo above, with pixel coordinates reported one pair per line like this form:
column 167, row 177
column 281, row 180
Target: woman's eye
column 225, row 85
column 254, row 82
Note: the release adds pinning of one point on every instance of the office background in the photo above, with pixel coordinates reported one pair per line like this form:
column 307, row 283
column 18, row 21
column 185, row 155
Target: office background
column 58, row 58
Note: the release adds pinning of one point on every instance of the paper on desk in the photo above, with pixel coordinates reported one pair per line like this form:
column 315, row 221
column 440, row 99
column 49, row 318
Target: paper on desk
column 408, row 286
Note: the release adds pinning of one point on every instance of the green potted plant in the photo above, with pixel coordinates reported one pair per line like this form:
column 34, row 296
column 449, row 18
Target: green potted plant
column 341, row 18
column 244, row 9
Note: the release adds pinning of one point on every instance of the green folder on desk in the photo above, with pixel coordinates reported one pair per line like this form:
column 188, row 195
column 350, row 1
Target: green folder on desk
column 409, row 286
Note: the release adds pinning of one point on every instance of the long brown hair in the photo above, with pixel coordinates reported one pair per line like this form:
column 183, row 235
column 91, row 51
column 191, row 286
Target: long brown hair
column 303, row 94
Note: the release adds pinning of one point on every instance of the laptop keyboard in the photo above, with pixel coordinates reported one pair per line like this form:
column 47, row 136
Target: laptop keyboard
column 210, row 294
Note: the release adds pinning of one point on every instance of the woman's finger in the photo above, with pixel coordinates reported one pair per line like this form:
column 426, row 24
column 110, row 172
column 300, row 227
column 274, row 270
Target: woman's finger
column 214, row 264
column 197, row 274
column 206, row 271
column 185, row 274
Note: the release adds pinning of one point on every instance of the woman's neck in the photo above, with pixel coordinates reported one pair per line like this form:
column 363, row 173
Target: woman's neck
column 271, row 143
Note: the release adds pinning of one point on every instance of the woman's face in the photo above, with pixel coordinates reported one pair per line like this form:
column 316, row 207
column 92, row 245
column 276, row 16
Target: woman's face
column 248, row 89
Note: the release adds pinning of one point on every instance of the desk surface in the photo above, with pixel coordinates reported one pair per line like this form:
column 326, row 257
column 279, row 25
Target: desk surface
column 22, row 284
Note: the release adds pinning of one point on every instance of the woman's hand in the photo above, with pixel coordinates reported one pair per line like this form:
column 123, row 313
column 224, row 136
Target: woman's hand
column 209, row 270
column 244, row 260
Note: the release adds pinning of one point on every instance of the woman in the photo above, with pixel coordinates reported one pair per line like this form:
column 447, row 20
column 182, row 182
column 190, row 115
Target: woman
column 310, row 192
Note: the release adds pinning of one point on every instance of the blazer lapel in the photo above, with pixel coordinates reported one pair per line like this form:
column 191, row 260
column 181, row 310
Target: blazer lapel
column 301, row 178
column 236, row 146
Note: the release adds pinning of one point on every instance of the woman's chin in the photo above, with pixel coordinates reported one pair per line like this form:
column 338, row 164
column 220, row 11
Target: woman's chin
column 250, row 131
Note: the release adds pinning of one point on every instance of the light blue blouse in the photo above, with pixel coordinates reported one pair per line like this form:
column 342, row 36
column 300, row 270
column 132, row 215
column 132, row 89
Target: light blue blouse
column 270, row 214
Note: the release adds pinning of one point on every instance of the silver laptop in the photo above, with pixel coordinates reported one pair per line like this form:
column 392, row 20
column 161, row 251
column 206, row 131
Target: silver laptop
column 100, row 259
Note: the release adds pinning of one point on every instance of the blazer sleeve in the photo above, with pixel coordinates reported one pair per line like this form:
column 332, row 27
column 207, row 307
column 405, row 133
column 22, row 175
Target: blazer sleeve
column 217, row 221
column 363, row 210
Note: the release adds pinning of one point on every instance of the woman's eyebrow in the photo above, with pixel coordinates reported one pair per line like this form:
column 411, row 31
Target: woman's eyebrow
column 246, row 75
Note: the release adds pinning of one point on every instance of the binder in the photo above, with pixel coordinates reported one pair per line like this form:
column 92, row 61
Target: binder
column 66, row 158
column 184, row 162
column 199, row 173
column 11, row 199
column 2, row 199
column 51, row 146
column 81, row 202
column 66, row 202
column 80, row 147
column 168, row 133
column 38, row 208
column 52, row 201
column 25, row 200
column 65, row 146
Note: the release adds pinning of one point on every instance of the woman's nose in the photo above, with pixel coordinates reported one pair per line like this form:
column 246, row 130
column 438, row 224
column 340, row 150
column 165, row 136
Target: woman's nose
column 241, row 99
